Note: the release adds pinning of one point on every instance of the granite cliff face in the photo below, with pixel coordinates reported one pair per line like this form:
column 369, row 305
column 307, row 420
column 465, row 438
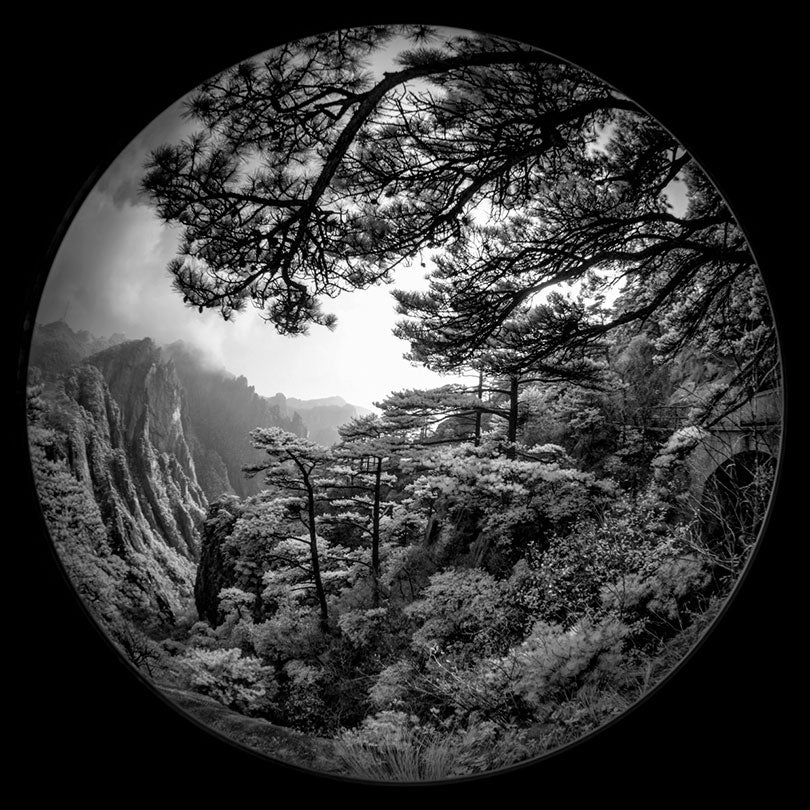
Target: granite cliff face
column 117, row 425
column 135, row 400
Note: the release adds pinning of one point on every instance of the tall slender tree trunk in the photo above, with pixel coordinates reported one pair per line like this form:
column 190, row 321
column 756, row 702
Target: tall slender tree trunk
column 477, row 440
column 431, row 519
column 375, row 536
column 511, row 433
column 314, row 561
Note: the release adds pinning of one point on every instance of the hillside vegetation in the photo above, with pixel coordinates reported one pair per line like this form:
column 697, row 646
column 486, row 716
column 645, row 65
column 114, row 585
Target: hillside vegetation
column 423, row 599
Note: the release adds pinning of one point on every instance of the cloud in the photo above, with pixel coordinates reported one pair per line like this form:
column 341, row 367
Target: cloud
column 122, row 179
column 110, row 276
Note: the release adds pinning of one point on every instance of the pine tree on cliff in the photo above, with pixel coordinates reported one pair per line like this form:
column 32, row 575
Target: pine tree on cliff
column 295, row 467
column 369, row 448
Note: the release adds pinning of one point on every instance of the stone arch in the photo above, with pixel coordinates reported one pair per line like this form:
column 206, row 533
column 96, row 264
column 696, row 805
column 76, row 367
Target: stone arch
column 754, row 427
column 734, row 500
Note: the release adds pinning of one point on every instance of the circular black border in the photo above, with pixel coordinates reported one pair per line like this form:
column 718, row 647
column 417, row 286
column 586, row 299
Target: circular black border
column 723, row 719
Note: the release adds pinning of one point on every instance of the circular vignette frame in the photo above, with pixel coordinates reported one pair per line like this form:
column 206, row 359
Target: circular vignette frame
column 681, row 681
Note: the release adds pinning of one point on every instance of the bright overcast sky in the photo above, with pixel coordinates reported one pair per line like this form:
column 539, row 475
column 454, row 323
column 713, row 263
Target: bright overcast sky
column 110, row 276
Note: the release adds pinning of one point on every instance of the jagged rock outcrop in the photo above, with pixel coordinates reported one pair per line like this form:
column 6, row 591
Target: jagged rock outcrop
column 215, row 569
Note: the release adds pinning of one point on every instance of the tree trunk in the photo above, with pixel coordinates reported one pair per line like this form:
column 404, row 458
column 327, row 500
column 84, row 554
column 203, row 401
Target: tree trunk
column 313, row 553
column 429, row 526
column 511, row 433
column 375, row 537
column 477, row 440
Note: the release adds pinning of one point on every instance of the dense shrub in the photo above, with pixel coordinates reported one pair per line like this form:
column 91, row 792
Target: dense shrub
column 566, row 581
column 240, row 682
column 660, row 602
column 460, row 609
column 553, row 662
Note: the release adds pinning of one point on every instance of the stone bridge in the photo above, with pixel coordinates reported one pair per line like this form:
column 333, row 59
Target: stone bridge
column 731, row 469
column 755, row 428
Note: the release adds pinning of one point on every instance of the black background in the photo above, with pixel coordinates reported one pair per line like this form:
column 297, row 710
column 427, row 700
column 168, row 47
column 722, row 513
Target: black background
column 82, row 87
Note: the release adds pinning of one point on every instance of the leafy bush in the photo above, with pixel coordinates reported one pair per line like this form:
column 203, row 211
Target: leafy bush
column 291, row 632
column 304, row 698
column 379, row 634
column 552, row 664
column 565, row 582
column 460, row 609
column 240, row 682
column 555, row 663
column 236, row 628
column 661, row 598
column 362, row 627
column 491, row 504
column 393, row 684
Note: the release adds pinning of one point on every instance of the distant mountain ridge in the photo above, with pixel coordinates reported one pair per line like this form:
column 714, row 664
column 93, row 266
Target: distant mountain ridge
column 309, row 404
column 322, row 417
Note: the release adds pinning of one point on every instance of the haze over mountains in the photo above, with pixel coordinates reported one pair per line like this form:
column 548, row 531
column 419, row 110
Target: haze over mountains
column 55, row 347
